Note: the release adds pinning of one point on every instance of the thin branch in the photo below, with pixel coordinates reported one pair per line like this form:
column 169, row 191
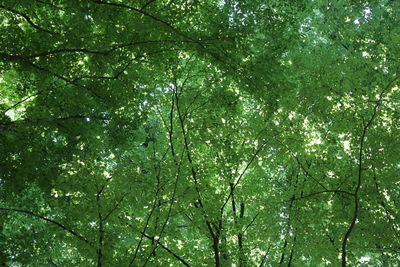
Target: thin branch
column 113, row 77
column 301, row 165
column 308, row 173
column 80, row 237
column 169, row 209
column 28, row 19
column 90, row 90
column 252, row 221
column 171, row 129
column 168, row 250
column 115, row 207
column 236, row 68
column 261, row 147
column 72, row 82
column 146, row 14
column 147, row 4
column 360, row 170
column 11, row 124
column 22, row 101
column 209, row 224
column 248, row 165
column 100, row 255
column 96, row 52
column 187, row 111
column 321, row 192
column 145, row 227
column 25, row 60
column 265, row 257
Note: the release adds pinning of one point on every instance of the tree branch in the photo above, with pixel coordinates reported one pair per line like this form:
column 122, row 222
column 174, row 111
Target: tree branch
column 115, row 207
column 28, row 19
column 168, row 250
column 214, row 235
column 169, row 210
column 8, row 125
column 260, row 148
column 265, row 257
column 321, row 192
column 100, row 255
column 52, row 222
column 147, row 4
column 145, row 227
column 22, row 101
column 360, row 170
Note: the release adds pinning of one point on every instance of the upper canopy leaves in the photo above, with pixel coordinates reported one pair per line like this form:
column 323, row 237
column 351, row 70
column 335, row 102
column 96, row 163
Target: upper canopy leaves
column 199, row 133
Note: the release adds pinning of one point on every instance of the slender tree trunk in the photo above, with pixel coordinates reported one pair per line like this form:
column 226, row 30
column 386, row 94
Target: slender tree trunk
column 216, row 251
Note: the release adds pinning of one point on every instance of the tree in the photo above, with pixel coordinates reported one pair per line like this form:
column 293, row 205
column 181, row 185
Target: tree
column 199, row 133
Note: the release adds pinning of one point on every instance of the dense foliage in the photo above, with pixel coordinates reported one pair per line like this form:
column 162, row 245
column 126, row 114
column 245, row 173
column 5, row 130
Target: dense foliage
column 199, row 133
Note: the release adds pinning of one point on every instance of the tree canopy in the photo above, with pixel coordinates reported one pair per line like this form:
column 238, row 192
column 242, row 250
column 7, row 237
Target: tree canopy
column 199, row 133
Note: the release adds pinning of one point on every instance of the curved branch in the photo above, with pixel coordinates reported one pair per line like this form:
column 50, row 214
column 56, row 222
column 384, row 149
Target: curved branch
column 80, row 237
column 25, row 60
column 200, row 42
column 147, row 4
column 360, row 170
column 146, row 14
column 28, row 19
